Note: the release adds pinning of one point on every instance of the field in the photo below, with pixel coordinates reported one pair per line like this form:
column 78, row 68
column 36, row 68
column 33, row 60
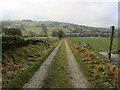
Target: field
column 99, row 43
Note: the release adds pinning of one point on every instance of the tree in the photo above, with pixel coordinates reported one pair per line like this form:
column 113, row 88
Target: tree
column 44, row 28
column 101, row 34
column 32, row 34
column 61, row 34
column 22, row 26
column 12, row 31
column 54, row 33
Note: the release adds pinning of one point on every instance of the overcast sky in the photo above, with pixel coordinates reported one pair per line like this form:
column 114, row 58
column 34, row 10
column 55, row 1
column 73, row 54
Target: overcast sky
column 100, row 13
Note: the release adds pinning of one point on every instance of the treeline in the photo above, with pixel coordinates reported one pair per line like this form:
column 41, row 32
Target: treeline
column 57, row 33
column 49, row 28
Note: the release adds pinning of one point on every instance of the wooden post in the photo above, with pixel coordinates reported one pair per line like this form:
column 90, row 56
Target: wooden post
column 111, row 40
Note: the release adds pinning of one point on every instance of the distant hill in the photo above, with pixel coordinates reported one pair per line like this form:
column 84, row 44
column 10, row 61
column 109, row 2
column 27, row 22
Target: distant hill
column 27, row 20
column 29, row 27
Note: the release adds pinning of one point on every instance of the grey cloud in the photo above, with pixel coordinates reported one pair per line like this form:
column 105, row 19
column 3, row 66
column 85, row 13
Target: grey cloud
column 88, row 13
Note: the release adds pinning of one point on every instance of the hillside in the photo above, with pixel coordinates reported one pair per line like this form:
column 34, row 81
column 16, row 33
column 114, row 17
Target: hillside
column 34, row 28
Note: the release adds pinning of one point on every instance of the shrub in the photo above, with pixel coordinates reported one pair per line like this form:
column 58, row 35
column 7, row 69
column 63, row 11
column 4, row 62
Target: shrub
column 12, row 31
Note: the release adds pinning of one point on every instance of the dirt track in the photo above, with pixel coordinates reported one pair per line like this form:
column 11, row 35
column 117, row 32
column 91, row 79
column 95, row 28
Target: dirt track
column 77, row 79
column 37, row 80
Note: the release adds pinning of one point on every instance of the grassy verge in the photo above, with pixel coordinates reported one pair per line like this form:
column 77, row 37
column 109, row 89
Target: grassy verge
column 99, row 71
column 22, row 63
column 58, row 77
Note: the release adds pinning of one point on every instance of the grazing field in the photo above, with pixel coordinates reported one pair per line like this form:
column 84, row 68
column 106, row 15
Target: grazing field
column 100, row 43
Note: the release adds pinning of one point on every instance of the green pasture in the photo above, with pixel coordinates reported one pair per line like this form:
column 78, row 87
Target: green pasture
column 100, row 43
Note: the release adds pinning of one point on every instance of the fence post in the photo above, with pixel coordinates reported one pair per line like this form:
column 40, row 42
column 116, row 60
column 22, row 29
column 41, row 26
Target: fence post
column 111, row 40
